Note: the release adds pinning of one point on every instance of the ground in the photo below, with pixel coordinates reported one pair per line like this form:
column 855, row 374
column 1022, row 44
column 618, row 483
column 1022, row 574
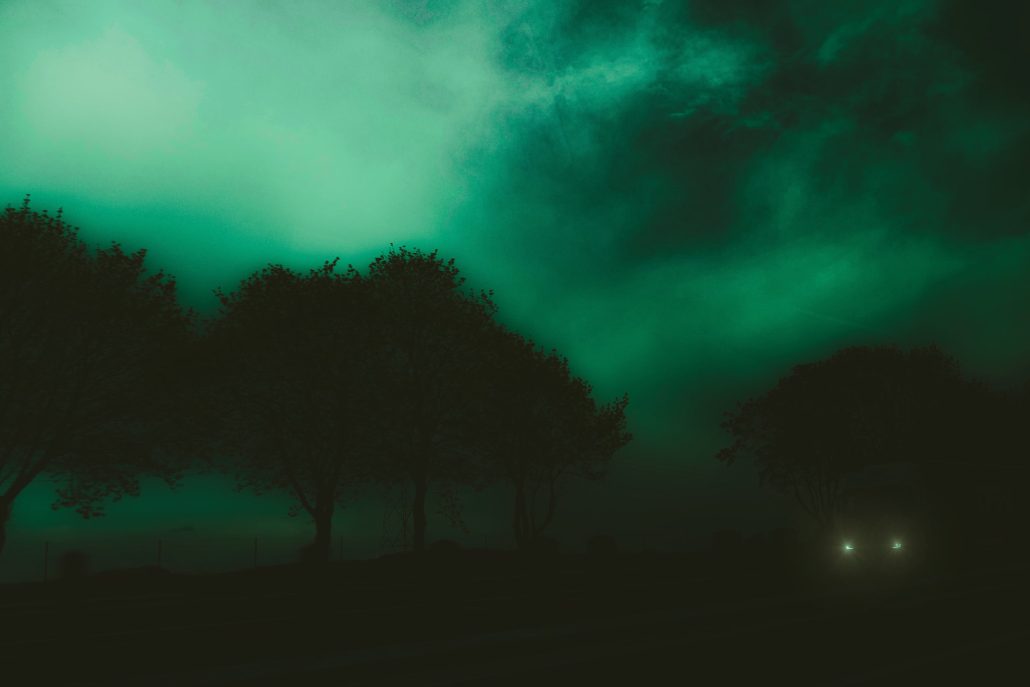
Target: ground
column 478, row 618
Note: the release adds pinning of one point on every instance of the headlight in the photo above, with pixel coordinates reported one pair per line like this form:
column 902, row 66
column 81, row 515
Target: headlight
column 896, row 546
column 848, row 547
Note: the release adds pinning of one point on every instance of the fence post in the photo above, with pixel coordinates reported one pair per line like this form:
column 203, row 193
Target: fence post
column 46, row 560
column 159, row 552
column 255, row 552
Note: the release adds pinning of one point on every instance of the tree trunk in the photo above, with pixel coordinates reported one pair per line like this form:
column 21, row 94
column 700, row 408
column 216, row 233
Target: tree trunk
column 5, row 515
column 552, row 497
column 322, row 545
column 519, row 523
column 419, row 506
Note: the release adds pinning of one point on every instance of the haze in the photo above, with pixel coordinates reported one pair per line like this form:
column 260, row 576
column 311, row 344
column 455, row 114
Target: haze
column 685, row 198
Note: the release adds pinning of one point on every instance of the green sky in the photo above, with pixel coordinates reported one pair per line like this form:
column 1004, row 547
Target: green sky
column 684, row 197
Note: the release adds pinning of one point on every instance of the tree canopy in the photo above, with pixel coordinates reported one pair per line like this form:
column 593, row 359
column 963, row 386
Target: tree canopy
column 431, row 331
column 861, row 406
column 541, row 426
column 293, row 355
column 311, row 384
column 86, row 342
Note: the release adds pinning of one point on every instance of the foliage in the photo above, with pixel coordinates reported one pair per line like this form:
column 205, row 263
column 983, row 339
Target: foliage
column 429, row 331
column 541, row 425
column 310, row 384
column 292, row 355
column 861, row 406
column 86, row 340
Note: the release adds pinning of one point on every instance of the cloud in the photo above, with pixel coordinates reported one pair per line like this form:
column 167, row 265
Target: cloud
column 671, row 192
column 335, row 123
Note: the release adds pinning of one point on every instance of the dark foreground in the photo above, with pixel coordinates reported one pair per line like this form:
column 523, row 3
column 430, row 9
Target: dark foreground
column 487, row 619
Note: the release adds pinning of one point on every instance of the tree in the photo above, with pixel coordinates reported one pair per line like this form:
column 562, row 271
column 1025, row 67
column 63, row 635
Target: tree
column 859, row 407
column 541, row 426
column 86, row 341
column 430, row 333
column 290, row 357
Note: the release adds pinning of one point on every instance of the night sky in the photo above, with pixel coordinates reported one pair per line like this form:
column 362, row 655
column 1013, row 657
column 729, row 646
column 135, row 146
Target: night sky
column 685, row 198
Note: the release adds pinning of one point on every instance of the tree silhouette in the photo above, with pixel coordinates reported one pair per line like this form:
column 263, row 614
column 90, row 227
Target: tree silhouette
column 540, row 426
column 291, row 368
column 86, row 342
column 859, row 407
column 430, row 333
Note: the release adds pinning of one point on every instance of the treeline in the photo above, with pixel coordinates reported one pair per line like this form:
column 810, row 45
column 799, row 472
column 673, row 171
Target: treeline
column 312, row 384
column 962, row 442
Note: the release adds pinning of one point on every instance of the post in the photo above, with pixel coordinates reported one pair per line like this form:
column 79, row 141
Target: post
column 46, row 559
column 159, row 552
column 255, row 552
column 339, row 546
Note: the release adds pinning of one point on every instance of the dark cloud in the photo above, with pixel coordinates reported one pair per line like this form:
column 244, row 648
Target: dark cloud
column 770, row 22
column 686, row 197
column 904, row 76
column 994, row 37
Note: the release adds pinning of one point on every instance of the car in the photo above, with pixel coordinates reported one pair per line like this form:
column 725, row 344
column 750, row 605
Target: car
column 874, row 551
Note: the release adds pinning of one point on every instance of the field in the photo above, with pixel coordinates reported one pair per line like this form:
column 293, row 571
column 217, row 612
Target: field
column 477, row 617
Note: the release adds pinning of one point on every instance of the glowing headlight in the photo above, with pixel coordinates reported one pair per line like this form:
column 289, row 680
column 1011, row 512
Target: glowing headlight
column 849, row 547
column 896, row 546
